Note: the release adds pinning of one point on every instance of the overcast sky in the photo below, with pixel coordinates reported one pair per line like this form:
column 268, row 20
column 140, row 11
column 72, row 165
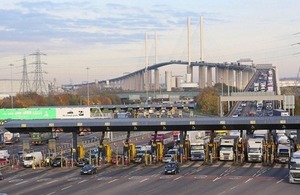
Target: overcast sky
column 109, row 36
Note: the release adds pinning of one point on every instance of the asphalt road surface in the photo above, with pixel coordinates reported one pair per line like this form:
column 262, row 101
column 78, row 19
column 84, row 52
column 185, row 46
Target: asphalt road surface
column 194, row 178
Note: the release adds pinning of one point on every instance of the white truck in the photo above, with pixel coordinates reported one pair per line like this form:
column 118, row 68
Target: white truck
column 261, row 134
column 294, row 168
column 228, row 147
column 197, row 148
column 10, row 138
column 4, row 157
column 33, row 158
column 4, row 154
column 255, row 148
column 197, row 144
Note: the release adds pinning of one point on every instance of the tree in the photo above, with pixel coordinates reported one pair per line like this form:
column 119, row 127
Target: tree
column 208, row 100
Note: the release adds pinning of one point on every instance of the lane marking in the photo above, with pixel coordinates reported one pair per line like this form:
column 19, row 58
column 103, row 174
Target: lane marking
column 82, row 181
column 280, row 181
column 52, row 181
column 66, row 187
column 144, row 180
column 51, row 193
column 112, row 181
column 248, row 180
column 21, row 183
column 177, row 178
column 216, row 179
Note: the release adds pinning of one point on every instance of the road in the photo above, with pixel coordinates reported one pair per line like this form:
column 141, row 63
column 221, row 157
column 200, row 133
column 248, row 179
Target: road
column 194, row 178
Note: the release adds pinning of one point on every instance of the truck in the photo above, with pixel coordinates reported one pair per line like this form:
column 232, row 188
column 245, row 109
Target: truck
column 283, row 153
column 255, row 149
column 227, row 147
column 294, row 168
column 166, row 138
column 38, row 138
column 261, row 134
column 283, row 147
column 197, row 150
column 4, row 157
column 33, row 159
column 280, row 112
column 4, row 154
column 11, row 138
column 141, row 152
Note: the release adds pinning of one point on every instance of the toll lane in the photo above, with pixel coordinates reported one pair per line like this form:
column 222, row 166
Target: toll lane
column 194, row 178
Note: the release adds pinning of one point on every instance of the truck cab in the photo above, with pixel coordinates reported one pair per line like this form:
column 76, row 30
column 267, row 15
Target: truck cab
column 294, row 168
column 228, row 147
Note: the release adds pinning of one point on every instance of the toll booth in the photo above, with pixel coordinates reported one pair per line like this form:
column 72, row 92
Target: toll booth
column 269, row 151
column 80, row 151
column 105, row 153
column 129, row 151
column 211, row 149
column 240, row 152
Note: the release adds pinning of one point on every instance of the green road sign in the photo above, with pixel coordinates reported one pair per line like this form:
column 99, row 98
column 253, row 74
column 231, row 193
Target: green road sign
column 28, row 113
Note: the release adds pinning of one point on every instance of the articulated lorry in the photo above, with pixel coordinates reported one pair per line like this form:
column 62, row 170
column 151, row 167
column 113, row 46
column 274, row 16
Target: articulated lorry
column 283, row 148
column 261, row 134
column 228, row 147
column 11, row 138
column 294, row 168
column 38, row 138
column 255, row 149
column 280, row 112
column 197, row 150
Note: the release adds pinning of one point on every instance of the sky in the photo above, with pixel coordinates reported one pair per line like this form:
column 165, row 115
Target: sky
column 108, row 37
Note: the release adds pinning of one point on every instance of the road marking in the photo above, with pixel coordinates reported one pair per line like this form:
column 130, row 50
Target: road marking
column 144, row 180
column 51, row 193
column 248, row 180
column 280, row 181
column 82, row 181
column 234, row 187
column 21, row 182
column 177, row 178
column 216, row 179
column 112, row 181
column 66, row 187
column 51, row 181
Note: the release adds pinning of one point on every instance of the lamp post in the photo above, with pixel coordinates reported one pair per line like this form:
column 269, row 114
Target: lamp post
column 11, row 86
column 88, row 86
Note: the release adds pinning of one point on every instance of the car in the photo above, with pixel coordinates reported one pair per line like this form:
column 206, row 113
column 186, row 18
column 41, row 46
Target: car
column 167, row 158
column 172, row 168
column 235, row 115
column 1, row 176
column 173, row 151
column 82, row 162
column 58, row 160
column 88, row 170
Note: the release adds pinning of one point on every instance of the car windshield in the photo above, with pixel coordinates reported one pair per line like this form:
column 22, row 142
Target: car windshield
column 171, row 165
column 87, row 167
column 168, row 155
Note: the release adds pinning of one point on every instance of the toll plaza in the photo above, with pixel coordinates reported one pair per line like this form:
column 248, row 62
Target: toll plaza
column 159, row 124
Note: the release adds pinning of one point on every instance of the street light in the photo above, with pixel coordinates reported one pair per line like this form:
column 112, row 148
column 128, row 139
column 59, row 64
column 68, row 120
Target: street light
column 11, row 86
column 88, row 86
